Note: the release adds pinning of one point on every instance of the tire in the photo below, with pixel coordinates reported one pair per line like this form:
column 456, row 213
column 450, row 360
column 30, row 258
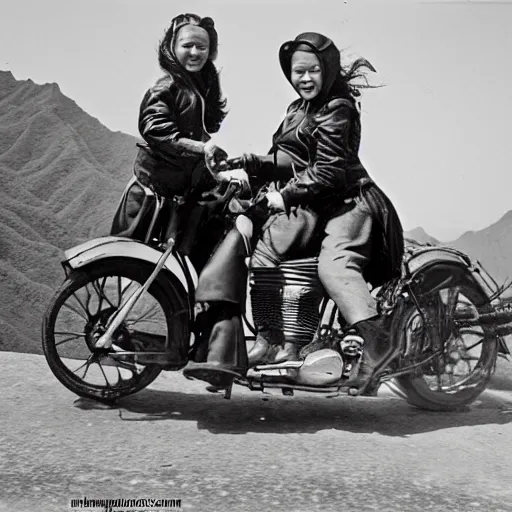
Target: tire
column 415, row 388
column 73, row 313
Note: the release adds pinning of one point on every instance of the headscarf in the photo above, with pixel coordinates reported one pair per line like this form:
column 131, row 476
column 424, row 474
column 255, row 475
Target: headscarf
column 326, row 51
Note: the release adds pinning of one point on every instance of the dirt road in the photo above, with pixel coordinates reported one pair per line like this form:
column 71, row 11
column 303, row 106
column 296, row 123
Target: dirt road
column 252, row 453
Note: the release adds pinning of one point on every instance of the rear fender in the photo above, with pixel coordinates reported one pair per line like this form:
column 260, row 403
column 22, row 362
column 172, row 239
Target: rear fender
column 438, row 263
column 432, row 268
column 112, row 247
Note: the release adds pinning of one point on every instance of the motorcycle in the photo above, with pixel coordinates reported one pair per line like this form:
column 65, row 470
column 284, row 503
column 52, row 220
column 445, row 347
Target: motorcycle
column 444, row 314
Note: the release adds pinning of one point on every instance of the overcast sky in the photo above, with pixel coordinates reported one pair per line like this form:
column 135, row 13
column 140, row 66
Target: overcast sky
column 437, row 138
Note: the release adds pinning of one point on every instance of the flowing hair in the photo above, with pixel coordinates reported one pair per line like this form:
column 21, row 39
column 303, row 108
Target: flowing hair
column 206, row 80
column 353, row 78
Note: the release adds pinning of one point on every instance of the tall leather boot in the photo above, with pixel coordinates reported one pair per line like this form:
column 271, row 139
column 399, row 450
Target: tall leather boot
column 227, row 353
column 375, row 345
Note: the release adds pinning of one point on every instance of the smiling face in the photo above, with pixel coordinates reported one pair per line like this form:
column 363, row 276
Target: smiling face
column 306, row 74
column 192, row 47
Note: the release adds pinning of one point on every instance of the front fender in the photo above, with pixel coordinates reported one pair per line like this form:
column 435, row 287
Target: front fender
column 113, row 246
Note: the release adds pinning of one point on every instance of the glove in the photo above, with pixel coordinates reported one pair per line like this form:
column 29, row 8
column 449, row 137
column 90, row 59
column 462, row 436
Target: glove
column 275, row 201
column 215, row 158
column 252, row 164
column 235, row 174
column 260, row 168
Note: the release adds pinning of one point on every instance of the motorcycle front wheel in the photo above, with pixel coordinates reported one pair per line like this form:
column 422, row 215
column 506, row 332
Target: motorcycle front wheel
column 455, row 378
column 80, row 311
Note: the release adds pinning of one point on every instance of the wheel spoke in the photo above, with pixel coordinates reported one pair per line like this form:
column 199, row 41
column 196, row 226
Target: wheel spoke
column 88, row 361
column 76, row 310
column 474, row 345
column 86, row 369
column 100, row 297
column 104, row 294
column 62, row 333
column 99, row 289
column 104, row 375
column 151, row 312
column 121, row 292
column 65, row 340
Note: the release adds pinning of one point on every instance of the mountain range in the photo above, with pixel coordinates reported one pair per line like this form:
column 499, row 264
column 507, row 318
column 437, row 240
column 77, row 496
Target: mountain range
column 63, row 173
column 62, row 176
column 491, row 246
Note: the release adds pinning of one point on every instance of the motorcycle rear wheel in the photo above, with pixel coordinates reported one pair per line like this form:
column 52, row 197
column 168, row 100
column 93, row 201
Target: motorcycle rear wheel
column 83, row 303
column 436, row 391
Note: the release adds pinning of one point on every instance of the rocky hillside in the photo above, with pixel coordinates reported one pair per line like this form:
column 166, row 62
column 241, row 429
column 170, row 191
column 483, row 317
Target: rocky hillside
column 62, row 173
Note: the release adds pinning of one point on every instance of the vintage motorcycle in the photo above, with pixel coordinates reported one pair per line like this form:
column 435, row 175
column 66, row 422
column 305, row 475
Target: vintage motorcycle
column 444, row 314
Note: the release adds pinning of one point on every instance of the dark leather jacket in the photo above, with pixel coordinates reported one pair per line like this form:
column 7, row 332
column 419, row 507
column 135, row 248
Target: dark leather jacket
column 315, row 151
column 170, row 119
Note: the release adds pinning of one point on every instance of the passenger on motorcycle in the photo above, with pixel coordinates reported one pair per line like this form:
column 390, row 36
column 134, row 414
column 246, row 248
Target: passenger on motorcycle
column 327, row 191
column 177, row 115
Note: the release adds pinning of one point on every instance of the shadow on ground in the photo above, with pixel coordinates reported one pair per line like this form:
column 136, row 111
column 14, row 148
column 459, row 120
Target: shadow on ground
column 253, row 412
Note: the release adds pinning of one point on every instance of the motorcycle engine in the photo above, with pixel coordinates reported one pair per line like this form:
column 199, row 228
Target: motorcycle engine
column 287, row 299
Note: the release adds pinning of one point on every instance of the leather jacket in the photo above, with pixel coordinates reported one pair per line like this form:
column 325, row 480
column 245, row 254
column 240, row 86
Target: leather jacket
column 315, row 152
column 171, row 119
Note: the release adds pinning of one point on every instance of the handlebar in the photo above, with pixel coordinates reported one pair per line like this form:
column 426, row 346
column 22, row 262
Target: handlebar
column 229, row 187
column 235, row 163
column 227, row 190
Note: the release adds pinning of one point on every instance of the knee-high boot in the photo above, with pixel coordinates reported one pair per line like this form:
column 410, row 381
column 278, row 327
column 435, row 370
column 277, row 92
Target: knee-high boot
column 375, row 345
column 227, row 353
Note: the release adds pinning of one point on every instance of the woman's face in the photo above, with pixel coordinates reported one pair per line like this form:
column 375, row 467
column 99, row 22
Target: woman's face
column 192, row 47
column 306, row 74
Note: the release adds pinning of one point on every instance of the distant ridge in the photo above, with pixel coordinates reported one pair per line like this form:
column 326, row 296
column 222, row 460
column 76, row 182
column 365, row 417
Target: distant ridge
column 420, row 235
column 492, row 246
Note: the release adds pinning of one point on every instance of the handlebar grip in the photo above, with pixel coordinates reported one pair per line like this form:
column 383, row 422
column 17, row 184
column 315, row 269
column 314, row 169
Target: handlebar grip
column 236, row 163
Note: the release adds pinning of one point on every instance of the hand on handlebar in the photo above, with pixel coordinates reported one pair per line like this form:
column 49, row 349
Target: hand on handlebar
column 232, row 183
column 215, row 158
column 234, row 172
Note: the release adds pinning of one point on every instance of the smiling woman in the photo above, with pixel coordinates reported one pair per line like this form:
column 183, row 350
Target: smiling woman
column 177, row 115
column 192, row 47
column 306, row 75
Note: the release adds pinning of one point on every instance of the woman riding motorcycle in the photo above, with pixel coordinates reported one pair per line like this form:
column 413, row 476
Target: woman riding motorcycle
column 315, row 152
column 177, row 115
